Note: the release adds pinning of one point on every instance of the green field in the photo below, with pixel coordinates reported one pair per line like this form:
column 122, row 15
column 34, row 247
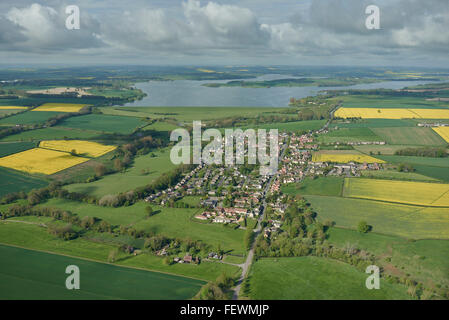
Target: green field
column 30, row 117
column 437, row 168
column 132, row 177
column 35, row 237
column 410, row 136
column 52, row 133
column 308, row 278
column 161, row 126
column 28, row 274
column 373, row 123
column 386, row 149
column 395, row 175
column 377, row 101
column 10, row 148
column 349, row 135
column 290, row 126
column 14, row 181
column 6, row 112
column 171, row 222
column 189, row 114
column 387, row 218
column 426, row 260
column 329, row 186
column 103, row 123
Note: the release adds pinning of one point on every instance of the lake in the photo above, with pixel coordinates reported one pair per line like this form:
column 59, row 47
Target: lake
column 191, row 93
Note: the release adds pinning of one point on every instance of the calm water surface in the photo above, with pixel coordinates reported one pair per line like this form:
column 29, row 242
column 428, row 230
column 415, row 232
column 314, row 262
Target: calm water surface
column 192, row 93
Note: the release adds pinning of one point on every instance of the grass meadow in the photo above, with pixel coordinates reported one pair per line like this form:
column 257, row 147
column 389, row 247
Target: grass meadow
column 103, row 123
column 14, row 181
column 385, row 218
column 310, row 278
column 144, row 170
column 35, row 237
column 46, row 279
column 171, row 222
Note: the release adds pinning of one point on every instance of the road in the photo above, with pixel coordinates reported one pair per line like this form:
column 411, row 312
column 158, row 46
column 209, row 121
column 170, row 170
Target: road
column 249, row 259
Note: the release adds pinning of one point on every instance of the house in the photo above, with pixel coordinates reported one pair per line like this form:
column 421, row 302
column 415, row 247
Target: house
column 188, row 258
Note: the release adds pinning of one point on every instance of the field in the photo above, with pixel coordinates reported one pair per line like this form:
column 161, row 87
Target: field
column 39, row 160
column 392, row 113
column 290, row 126
column 46, row 279
column 390, row 174
column 29, row 117
column 52, row 133
column 373, row 123
column 344, row 158
column 13, row 181
column 416, row 193
column 60, row 107
column 443, row 132
column 410, row 136
column 329, row 186
column 189, row 114
column 308, row 278
column 171, row 222
column 377, row 101
column 10, row 148
column 82, row 148
column 437, row 168
column 144, row 170
column 386, row 218
column 345, row 135
column 12, row 108
column 426, row 260
column 103, row 123
column 8, row 110
column 386, row 149
column 35, row 237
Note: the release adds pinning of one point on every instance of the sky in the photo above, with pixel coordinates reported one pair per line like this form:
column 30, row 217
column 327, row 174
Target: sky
column 225, row 32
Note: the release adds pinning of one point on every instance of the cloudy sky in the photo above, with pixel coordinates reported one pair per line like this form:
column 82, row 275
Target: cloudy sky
column 270, row 32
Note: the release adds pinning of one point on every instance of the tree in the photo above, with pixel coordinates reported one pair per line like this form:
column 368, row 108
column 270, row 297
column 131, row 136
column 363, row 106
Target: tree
column 118, row 164
column 149, row 211
column 363, row 227
column 73, row 152
column 100, row 170
column 249, row 238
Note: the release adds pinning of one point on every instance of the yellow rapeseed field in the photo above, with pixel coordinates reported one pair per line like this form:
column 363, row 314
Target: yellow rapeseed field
column 60, row 107
column 416, row 193
column 39, row 160
column 344, row 158
column 82, row 148
column 393, row 113
column 12, row 108
column 443, row 132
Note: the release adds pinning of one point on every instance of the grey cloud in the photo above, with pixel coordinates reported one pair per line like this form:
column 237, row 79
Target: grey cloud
column 230, row 29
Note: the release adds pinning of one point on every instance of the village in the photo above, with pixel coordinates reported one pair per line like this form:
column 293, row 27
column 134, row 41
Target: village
column 234, row 194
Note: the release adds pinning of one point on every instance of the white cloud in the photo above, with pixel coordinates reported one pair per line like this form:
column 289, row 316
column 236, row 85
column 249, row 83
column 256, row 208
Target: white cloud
column 208, row 29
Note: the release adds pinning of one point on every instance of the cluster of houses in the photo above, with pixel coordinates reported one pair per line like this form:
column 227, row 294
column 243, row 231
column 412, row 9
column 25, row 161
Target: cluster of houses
column 187, row 259
column 244, row 206
column 175, row 192
column 272, row 228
